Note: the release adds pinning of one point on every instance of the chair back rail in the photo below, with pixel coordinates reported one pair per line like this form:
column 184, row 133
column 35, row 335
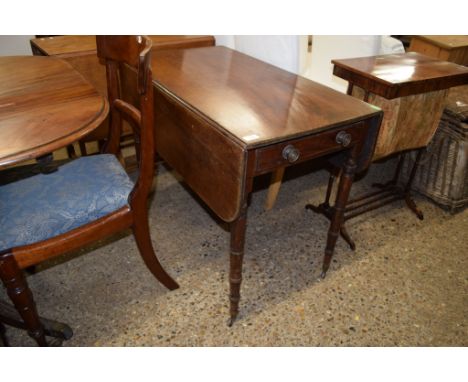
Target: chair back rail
column 134, row 51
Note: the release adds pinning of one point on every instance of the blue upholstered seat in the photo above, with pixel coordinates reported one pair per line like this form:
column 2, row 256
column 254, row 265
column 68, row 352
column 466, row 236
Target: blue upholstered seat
column 46, row 205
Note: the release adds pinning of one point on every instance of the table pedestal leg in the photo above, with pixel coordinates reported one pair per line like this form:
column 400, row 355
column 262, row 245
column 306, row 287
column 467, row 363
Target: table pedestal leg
column 25, row 315
column 238, row 228
column 326, row 209
column 337, row 219
column 21, row 296
column 58, row 330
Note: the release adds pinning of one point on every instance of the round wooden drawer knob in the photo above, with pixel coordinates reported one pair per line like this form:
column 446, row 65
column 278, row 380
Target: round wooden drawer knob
column 343, row 138
column 291, row 154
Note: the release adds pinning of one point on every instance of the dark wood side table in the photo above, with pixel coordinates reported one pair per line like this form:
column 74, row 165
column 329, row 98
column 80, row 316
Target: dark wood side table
column 411, row 90
column 447, row 48
column 223, row 118
column 80, row 52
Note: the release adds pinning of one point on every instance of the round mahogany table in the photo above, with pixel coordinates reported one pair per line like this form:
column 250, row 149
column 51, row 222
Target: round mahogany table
column 44, row 105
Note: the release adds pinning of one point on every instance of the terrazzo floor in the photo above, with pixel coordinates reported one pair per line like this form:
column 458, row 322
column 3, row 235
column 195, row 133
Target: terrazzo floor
column 405, row 285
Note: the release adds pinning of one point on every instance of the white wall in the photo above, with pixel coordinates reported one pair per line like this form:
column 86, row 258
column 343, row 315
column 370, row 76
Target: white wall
column 326, row 48
column 291, row 53
column 226, row 40
column 15, row 45
column 281, row 51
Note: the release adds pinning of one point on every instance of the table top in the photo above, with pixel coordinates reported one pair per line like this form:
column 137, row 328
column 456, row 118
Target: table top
column 252, row 102
column 44, row 105
column 84, row 44
column 397, row 75
column 446, row 41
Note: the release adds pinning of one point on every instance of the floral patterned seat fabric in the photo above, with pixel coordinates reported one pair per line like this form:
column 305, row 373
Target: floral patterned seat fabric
column 47, row 205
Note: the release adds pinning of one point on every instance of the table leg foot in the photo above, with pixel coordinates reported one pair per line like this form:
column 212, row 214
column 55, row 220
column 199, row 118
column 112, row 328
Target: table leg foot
column 345, row 235
column 18, row 290
column 322, row 208
column 24, row 315
column 413, row 207
column 59, row 330
column 230, row 321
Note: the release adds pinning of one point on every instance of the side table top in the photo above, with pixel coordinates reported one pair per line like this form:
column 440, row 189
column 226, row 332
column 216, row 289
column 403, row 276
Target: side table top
column 398, row 75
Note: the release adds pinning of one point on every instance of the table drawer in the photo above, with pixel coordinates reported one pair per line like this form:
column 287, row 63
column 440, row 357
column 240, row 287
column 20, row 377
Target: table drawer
column 301, row 149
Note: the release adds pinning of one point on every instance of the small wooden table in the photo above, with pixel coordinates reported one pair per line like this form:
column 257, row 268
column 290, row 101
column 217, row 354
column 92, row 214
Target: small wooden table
column 223, row 118
column 406, row 86
column 411, row 89
column 44, row 105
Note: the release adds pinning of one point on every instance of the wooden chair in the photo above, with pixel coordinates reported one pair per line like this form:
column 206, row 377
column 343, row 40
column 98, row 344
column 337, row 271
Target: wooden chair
column 87, row 199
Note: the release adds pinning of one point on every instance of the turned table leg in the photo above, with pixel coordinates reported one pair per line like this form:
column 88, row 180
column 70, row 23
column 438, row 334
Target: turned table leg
column 337, row 218
column 238, row 228
column 21, row 296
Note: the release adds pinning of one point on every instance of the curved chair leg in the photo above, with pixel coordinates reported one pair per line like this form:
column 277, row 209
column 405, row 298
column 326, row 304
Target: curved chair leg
column 21, row 296
column 143, row 239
